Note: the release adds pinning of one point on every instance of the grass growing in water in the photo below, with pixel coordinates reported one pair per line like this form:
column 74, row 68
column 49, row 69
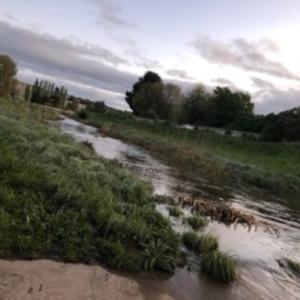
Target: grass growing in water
column 219, row 266
column 58, row 200
column 196, row 222
column 200, row 243
column 175, row 211
column 267, row 165
column 295, row 267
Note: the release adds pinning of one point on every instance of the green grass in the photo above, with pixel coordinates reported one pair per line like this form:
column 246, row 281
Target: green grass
column 196, row 222
column 267, row 165
column 218, row 266
column 58, row 200
column 174, row 211
column 200, row 243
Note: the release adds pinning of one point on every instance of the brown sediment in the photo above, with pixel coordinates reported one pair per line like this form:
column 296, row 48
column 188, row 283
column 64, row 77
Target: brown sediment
column 225, row 213
column 48, row 280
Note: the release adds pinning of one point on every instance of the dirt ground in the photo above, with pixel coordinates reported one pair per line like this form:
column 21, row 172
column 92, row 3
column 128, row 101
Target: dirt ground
column 48, row 280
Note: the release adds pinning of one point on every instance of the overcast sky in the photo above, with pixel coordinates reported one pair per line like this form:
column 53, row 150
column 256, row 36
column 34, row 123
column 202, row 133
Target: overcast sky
column 99, row 48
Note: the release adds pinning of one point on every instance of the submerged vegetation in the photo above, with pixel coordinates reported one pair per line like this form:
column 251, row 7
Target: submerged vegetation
column 60, row 201
column 218, row 265
column 294, row 266
column 265, row 165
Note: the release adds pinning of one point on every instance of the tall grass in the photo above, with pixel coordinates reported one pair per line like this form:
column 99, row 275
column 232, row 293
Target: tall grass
column 59, row 200
column 200, row 243
column 175, row 211
column 219, row 266
column 266, row 165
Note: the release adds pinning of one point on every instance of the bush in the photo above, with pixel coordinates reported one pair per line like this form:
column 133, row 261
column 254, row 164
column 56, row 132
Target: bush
column 82, row 114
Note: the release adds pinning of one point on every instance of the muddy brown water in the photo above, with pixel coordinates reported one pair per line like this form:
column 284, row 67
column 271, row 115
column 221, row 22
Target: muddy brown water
column 261, row 275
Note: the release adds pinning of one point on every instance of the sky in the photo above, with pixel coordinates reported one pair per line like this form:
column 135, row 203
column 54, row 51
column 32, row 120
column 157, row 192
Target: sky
column 99, row 48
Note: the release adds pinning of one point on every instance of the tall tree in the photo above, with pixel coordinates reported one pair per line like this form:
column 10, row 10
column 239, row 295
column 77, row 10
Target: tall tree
column 8, row 71
column 148, row 78
column 27, row 94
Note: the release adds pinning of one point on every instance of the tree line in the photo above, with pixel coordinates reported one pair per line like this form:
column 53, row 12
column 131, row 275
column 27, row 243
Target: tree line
column 150, row 97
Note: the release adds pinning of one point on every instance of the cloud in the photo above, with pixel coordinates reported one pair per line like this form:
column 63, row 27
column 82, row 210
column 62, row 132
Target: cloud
column 63, row 59
column 270, row 99
column 240, row 53
column 179, row 73
column 110, row 15
column 10, row 17
column 224, row 81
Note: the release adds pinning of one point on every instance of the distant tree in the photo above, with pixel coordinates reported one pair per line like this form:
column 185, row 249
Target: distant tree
column 195, row 106
column 27, row 94
column 148, row 78
column 149, row 102
column 99, row 107
column 226, row 106
column 172, row 98
column 8, row 71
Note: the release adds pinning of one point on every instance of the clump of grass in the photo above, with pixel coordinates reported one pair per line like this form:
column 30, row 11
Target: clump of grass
column 218, row 266
column 196, row 222
column 200, row 243
column 294, row 266
column 175, row 211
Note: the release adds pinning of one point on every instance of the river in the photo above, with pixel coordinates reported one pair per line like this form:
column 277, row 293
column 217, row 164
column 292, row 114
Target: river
column 261, row 275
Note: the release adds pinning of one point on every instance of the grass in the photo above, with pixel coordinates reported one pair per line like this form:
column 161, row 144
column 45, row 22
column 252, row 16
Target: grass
column 266, row 165
column 200, row 243
column 174, row 211
column 219, row 266
column 58, row 200
column 196, row 222
column 294, row 266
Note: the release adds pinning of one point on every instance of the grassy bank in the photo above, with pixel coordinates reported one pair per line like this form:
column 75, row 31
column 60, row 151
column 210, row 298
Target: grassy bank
column 272, row 166
column 59, row 200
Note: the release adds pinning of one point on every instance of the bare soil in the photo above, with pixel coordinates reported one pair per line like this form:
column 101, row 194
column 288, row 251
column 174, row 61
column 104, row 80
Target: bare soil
column 48, row 280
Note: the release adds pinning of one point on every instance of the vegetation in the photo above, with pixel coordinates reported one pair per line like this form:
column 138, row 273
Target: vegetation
column 45, row 92
column 196, row 222
column 294, row 266
column 200, row 243
column 174, row 211
column 8, row 71
column 263, row 164
column 58, row 200
column 219, row 266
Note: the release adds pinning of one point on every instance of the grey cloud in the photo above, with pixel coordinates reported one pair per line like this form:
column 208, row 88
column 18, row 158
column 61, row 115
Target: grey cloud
column 110, row 15
column 10, row 17
column 240, row 53
column 269, row 98
column 85, row 64
column 224, row 81
column 179, row 73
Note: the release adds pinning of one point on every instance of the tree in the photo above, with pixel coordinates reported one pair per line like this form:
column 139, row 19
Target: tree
column 99, row 107
column 195, row 106
column 148, row 101
column 148, row 78
column 226, row 106
column 8, row 71
column 172, row 98
column 27, row 94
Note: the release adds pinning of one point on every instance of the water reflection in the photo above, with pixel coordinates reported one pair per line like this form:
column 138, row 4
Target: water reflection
column 261, row 277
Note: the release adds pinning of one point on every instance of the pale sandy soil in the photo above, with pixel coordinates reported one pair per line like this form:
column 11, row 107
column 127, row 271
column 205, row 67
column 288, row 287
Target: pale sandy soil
column 48, row 280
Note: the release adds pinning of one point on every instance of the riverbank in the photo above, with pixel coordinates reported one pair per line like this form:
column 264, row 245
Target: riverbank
column 60, row 200
column 264, row 165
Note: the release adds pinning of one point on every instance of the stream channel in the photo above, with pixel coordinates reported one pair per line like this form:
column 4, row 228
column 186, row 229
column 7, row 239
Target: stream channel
column 262, row 273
